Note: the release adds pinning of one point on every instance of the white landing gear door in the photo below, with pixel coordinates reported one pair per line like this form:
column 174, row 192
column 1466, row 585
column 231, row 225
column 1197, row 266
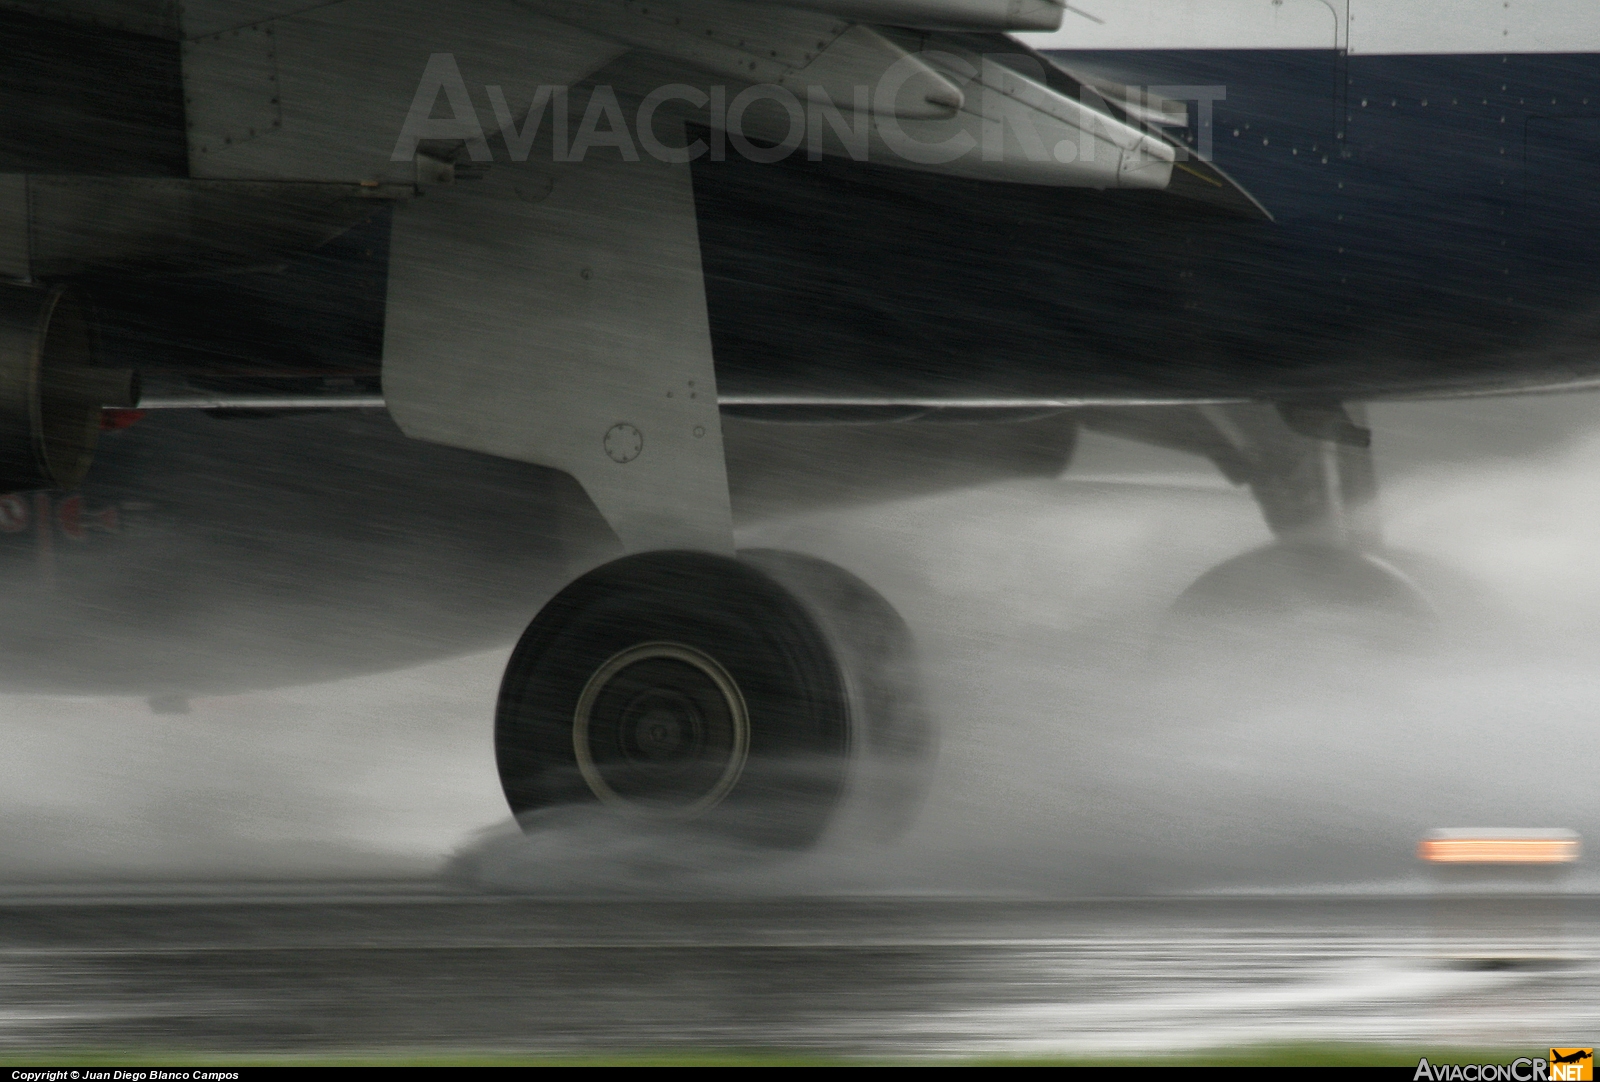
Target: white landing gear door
column 555, row 313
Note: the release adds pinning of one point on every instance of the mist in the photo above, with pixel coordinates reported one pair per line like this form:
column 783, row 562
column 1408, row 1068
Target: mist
column 1074, row 760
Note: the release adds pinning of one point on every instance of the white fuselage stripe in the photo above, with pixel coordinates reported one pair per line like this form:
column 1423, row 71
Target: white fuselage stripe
column 1365, row 27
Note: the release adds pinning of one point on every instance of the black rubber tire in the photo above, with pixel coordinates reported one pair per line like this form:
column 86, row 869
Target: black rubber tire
column 1297, row 601
column 893, row 740
column 805, row 713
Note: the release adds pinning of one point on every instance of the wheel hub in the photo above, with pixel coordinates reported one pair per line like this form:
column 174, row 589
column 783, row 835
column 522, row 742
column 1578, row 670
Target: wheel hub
column 661, row 727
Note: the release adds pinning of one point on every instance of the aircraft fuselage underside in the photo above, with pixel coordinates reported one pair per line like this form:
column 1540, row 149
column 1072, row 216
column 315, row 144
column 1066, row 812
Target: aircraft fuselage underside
column 1434, row 217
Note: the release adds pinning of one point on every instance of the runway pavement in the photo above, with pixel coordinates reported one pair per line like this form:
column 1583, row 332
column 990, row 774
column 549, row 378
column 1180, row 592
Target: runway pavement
column 414, row 965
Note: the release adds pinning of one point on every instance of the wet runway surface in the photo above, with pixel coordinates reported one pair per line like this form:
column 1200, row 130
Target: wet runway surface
column 413, row 966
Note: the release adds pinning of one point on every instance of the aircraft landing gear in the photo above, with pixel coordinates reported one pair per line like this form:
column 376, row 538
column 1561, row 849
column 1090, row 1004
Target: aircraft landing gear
column 1327, row 577
column 750, row 695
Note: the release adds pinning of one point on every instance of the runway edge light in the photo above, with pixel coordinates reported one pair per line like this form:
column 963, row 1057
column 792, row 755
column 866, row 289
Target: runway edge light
column 1499, row 845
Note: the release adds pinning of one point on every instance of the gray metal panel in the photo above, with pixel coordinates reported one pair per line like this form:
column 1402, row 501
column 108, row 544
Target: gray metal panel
column 330, row 89
column 556, row 314
column 241, row 100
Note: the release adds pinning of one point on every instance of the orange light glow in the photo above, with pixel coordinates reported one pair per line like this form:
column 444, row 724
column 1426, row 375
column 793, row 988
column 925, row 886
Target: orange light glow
column 1498, row 850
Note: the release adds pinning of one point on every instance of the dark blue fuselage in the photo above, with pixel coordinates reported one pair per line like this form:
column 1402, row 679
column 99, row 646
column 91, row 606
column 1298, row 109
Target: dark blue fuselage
column 1437, row 228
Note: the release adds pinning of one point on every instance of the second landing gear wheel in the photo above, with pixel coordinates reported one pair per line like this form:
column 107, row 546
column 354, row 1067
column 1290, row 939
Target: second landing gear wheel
column 1298, row 600
column 687, row 686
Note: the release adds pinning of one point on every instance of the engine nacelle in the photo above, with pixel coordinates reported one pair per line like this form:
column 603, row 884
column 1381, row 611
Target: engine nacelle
column 51, row 391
